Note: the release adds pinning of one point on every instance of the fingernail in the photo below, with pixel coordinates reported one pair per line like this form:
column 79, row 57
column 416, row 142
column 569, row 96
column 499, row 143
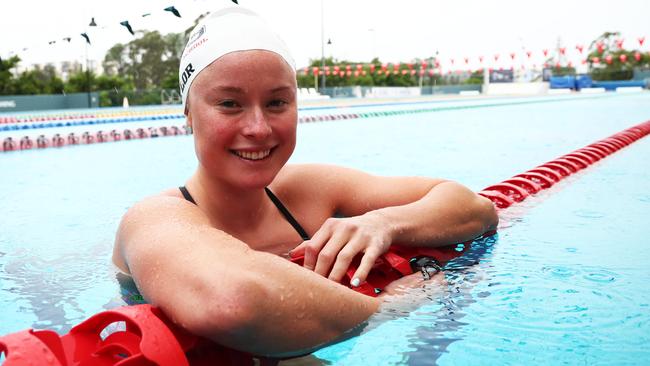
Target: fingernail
column 355, row 282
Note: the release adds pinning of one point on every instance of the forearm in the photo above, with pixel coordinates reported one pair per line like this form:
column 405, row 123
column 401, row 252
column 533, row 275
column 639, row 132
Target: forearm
column 449, row 213
column 276, row 308
column 214, row 285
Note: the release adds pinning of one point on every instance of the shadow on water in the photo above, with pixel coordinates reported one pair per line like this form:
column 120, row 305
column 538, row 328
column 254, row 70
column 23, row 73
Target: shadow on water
column 428, row 341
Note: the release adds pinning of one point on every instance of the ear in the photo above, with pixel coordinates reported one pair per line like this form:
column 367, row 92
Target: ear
column 188, row 116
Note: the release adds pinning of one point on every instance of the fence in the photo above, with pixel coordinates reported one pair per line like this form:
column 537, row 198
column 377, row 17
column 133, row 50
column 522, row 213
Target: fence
column 19, row 103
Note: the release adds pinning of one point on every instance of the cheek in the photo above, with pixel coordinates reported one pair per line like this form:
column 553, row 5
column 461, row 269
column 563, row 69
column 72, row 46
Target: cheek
column 288, row 127
column 209, row 138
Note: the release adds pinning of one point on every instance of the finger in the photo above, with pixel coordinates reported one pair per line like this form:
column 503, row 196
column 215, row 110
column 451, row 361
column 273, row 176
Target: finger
column 330, row 252
column 367, row 262
column 313, row 247
column 299, row 250
column 343, row 260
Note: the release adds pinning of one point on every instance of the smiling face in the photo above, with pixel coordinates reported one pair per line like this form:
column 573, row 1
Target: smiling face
column 243, row 111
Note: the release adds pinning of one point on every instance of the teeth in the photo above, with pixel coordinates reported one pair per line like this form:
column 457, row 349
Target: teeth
column 253, row 155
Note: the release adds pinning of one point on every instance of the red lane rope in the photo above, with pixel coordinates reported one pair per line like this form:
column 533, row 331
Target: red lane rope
column 151, row 338
column 546, row 175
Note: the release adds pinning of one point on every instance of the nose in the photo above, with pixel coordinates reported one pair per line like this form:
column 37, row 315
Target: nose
column 257, row 125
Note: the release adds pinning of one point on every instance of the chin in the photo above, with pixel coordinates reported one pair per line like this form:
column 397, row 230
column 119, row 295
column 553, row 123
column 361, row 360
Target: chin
column 256, row 180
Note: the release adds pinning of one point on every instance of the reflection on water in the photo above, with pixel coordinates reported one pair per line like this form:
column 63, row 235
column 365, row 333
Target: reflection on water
column 54, row 289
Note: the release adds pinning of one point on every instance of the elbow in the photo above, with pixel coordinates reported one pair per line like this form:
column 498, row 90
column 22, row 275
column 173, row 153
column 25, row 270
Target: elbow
column 226, row 313
column 488, row 214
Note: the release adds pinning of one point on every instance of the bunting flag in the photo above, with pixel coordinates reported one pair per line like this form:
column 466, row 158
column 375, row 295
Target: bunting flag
column 128, row 26
column 173, row 10
column 86, row 37
column 579, row 54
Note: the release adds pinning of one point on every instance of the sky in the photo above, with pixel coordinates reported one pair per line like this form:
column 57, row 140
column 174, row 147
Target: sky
column 394, row 31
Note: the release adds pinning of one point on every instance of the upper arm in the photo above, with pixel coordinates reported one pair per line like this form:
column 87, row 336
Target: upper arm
column 216, row 286
column 352, row 192
column 174, row 256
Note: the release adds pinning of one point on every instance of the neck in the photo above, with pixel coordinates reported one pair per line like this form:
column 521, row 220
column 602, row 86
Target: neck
column 230, row 208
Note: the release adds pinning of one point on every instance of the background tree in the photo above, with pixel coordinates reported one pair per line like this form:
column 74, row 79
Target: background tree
column 608, row 60
column 150, row 61
column 6, row 75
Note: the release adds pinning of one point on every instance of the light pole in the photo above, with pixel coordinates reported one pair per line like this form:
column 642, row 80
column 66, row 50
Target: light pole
column 322, row 45
column 92, row 24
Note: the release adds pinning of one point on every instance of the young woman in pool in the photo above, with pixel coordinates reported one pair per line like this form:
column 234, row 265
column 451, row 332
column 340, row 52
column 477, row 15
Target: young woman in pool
column 213, row 255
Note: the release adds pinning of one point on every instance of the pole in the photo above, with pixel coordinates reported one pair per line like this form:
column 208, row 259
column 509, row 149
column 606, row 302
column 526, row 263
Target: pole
column 87, row 78
column 322, row 45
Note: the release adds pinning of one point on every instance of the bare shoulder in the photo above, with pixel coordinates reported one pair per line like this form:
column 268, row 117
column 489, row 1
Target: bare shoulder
column 308, row 177
column 314, row 181
column 154, row 217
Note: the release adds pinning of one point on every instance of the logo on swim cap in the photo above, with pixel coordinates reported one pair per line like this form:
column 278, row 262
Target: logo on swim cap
column 231, row 29
column 189, row 70
column 196, row 35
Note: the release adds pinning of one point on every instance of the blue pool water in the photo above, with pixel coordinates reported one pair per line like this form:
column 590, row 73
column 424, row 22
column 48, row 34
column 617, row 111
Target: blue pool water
column 564, row 282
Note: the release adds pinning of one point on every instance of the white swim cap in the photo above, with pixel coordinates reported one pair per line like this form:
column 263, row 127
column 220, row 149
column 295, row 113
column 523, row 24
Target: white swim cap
column 225, row 31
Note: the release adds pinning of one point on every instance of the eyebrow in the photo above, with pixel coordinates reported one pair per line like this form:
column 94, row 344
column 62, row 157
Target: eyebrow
column 231, row 89
column 280, row 89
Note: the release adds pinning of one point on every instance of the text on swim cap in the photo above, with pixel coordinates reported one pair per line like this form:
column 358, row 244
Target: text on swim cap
column 189, row 70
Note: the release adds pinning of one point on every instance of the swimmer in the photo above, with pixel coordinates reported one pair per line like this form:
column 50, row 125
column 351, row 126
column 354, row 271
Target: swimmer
column 212, row 254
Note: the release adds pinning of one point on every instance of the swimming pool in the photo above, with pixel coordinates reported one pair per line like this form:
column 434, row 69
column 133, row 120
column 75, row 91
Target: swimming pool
column 565, row 281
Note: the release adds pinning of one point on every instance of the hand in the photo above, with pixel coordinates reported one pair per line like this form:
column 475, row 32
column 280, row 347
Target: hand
column 334, row 246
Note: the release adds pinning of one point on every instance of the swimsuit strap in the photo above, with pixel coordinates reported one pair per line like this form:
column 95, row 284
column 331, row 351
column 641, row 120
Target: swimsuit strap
column 276, row 201
column 187, row 194
column 287, row 215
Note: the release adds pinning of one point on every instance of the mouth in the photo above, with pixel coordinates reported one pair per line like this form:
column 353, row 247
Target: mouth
column 253, row 155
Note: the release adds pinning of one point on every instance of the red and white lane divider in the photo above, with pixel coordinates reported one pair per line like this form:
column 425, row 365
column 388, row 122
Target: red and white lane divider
column 59, row 140
column 86, row 138
column 150, row 338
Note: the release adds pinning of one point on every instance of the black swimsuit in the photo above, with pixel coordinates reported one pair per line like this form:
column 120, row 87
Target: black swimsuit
column 276, row 201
